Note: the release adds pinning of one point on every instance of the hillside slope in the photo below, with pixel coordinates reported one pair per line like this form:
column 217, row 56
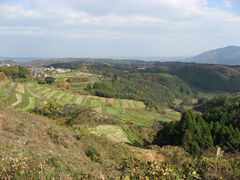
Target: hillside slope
column 28, row 142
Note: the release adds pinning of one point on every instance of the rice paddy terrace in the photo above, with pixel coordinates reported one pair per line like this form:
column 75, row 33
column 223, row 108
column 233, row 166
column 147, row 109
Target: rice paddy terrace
column 25, row 96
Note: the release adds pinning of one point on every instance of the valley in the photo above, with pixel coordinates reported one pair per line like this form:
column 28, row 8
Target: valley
column 111, row 118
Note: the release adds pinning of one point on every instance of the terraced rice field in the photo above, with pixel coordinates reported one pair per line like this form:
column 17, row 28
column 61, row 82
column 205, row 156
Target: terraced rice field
column 29, row 97
column 60, row 95
column 68, row 97
column 32, row 93
column 139, row 104
column 44, row 91
column 79, row 99
column 131, row 103
column 115, row 133
column 20, row 88
column 38, row 88
column 97, row 105
column 111, row 110
column 31, row 104
column 124, row 103
column 51, row 94
column 19, row 100
column 117, row 103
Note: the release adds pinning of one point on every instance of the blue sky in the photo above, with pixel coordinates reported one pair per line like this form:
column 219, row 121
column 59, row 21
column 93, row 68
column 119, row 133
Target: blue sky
column 106, row 28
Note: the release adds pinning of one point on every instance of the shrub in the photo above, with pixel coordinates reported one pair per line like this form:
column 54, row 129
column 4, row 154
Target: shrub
column 93, row 153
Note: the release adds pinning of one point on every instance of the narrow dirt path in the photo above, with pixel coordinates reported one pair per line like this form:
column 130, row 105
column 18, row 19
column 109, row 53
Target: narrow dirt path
column 158, row 117
column 19, row 97
column 32, row 93
column 85, row 101
column 37, row 93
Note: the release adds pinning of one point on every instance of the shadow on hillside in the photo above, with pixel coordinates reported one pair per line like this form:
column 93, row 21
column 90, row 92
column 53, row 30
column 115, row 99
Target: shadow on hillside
column 137, row 144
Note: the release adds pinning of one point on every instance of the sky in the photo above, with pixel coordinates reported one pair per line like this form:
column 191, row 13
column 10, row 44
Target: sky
column 115, row 28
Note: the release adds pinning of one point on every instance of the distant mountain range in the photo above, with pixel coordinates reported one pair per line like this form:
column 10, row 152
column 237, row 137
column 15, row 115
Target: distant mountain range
column 229, row 55
column 8, row 61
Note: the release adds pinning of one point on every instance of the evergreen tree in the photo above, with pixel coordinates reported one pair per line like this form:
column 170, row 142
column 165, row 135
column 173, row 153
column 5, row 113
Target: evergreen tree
column 184, row 123
column 236, row 133
column 192, row 115
column 230, row 127
column 223, row 136
column 216, row 133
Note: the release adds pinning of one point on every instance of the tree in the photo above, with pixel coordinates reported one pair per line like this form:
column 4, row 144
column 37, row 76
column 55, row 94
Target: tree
column 236, row 133
column 89, row 86
column 2, row 76
column 68, row 86
column 49, row 80
column 23, row 72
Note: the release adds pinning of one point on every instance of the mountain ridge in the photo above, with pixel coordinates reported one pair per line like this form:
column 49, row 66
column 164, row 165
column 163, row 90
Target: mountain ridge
column 229, row 55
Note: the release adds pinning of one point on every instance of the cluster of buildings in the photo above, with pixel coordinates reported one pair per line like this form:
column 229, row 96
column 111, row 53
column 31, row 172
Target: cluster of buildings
column 43, row 72
column 8, row 65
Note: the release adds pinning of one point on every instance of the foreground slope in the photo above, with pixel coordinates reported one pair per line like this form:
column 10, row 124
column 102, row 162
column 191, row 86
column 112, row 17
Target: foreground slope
column 28, row 142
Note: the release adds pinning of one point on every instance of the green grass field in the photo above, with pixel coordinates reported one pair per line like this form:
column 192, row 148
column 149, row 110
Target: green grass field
column 97, row 104
column 38, row 88
column 131, row 103
column 139, row 104
column 111, row 110
column 3, row 90
column 78, row 100
column 19, row 100
column 51, row 94
column 115, row 133
column 31, row 104
column 124, row 103
column 44, row 90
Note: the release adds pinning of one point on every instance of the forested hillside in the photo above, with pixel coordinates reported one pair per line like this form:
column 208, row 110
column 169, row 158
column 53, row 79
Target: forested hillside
column 151, row 88
column 209, row 77
column 196, row 134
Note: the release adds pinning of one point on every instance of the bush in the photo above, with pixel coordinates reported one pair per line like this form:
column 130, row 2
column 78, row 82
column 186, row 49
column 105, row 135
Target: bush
column 93, row 153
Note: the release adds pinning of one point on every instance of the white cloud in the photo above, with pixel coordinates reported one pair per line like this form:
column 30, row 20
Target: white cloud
column 227, row 4
column 152, row 20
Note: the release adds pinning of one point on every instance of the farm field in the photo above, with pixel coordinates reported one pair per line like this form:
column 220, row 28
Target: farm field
column 19, row 100
column 31, row 104
column 115, row 133
column 29, row 95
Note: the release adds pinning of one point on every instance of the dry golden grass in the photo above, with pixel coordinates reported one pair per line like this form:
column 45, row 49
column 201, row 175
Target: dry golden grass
column 42, row 140
column 103, row 100
column 20, row 88
column 111, row 101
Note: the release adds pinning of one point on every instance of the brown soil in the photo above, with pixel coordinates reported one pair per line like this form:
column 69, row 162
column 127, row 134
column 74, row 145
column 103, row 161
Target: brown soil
column 79, row 100
column 103, row 100
column 112, row 101
column 194, row 100
column 20, row 88
column 148, row 155
column 178, row 101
